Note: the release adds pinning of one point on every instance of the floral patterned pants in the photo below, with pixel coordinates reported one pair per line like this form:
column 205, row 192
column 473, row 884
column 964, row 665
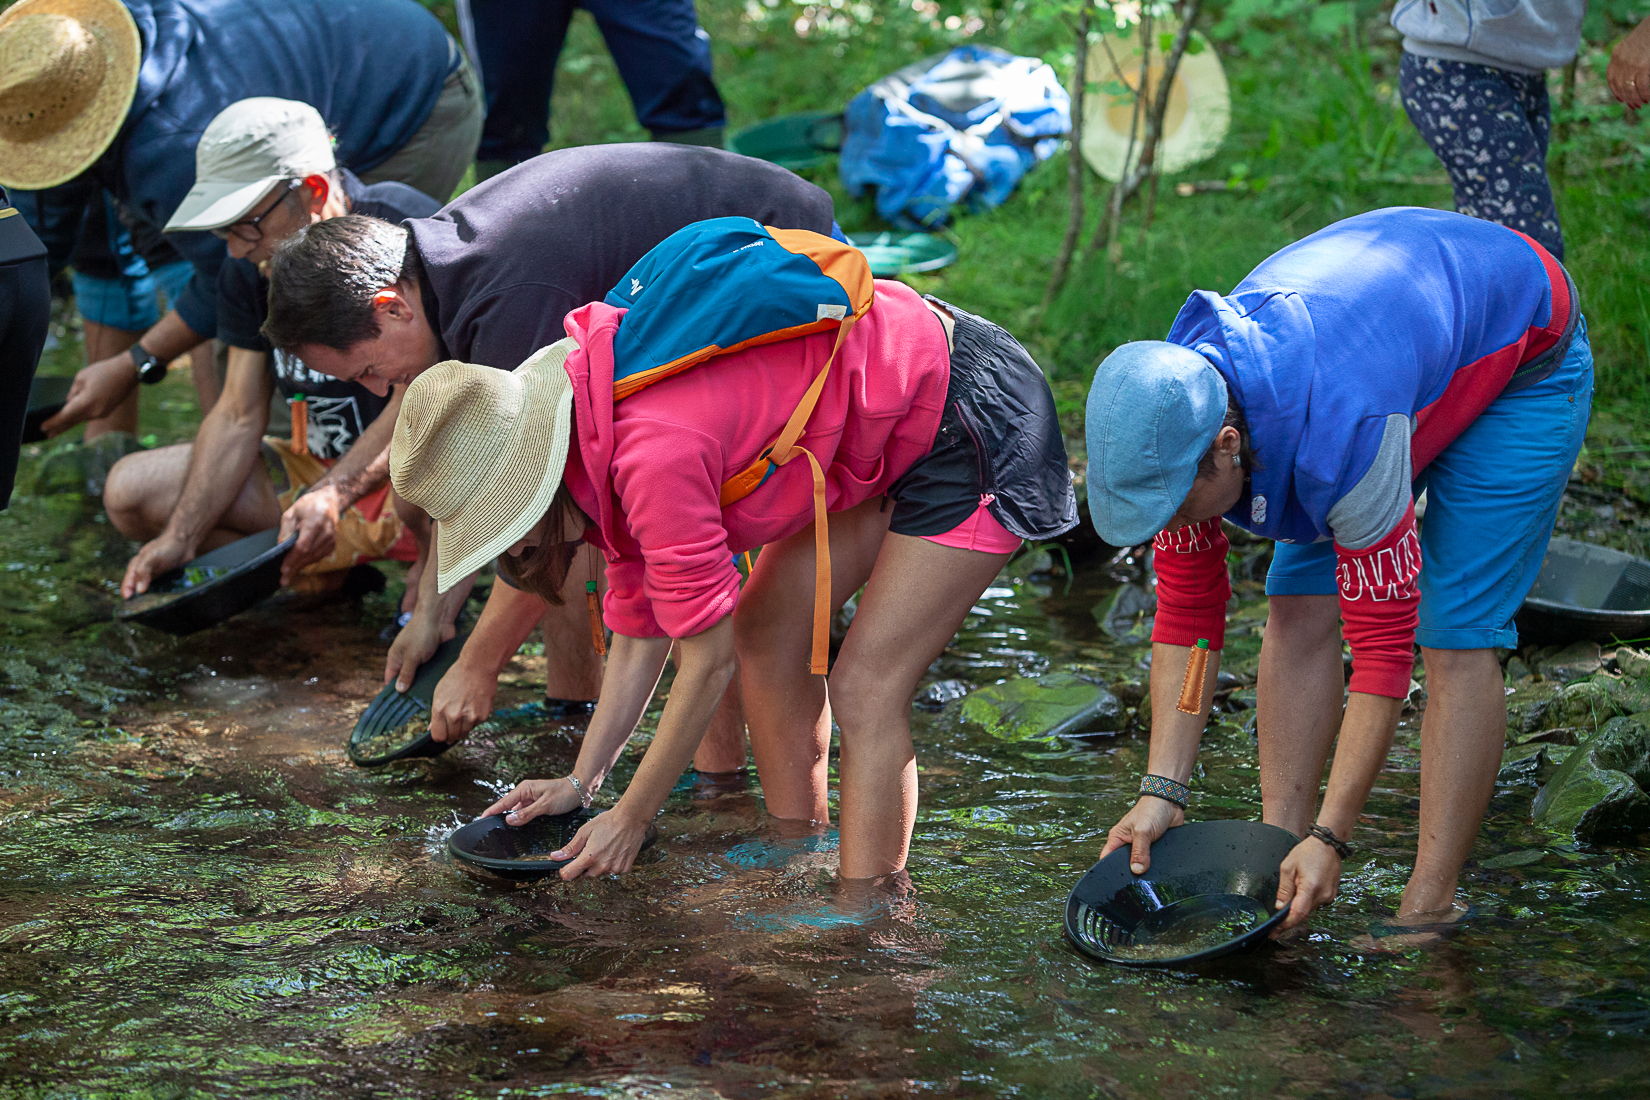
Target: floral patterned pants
column 1489, row 127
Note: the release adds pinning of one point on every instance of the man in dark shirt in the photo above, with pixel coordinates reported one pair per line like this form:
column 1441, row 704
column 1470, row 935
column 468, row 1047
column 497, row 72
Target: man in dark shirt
column 489, row 280
column 265, row 170
column 391, row 83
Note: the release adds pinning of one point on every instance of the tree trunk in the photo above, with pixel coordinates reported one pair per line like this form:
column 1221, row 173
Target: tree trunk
column 1146, row 168
column 1074, row 169
column 1566, row 100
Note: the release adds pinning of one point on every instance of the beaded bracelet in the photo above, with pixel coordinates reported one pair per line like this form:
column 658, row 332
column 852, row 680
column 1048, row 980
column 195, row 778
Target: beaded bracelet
column 1342, row 848
column 584, row 795
column 1167, row 789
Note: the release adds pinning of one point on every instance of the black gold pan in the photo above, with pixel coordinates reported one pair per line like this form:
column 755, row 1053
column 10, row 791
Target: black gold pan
column 212, row 587
column 373, row 742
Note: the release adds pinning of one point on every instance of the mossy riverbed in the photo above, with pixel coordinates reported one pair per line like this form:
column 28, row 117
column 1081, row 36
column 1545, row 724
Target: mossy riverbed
column 204, row 897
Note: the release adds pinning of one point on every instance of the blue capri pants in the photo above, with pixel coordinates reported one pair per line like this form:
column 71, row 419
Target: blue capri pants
column 1492, row 498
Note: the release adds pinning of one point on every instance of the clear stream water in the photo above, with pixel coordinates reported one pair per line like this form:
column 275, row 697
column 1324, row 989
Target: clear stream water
column 202, row 897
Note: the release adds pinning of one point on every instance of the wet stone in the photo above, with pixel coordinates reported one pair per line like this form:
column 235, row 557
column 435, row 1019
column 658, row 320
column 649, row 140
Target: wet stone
column 1633, row 662
column 1127, row 614
column 1059, row 704
column 1527, row 708
column 936, row 695
column 79, row 467
column 1586, row 704
column 1574, row 662
column 1532, row 764
column 1597, row 794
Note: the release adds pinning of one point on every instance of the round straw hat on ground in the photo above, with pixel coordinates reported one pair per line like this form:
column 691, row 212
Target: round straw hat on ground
column 68, row 71
column 1199, row 110
column 482, row 451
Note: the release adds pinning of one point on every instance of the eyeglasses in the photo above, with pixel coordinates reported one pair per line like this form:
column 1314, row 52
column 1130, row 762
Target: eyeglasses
column 248, row 229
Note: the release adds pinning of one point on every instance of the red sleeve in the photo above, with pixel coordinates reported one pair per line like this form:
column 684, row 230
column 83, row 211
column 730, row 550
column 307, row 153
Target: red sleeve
column 1192, row 587
column 1380, row 605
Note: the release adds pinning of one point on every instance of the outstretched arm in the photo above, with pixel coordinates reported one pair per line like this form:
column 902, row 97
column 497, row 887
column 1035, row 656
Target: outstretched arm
column 225, row 449
column 313, row 517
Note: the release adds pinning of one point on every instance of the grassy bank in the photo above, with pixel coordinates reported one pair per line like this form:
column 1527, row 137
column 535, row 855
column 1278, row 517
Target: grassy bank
column 1316, row 126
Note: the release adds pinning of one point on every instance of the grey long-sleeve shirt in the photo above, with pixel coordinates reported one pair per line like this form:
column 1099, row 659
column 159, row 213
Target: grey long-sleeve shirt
column 1525, row 36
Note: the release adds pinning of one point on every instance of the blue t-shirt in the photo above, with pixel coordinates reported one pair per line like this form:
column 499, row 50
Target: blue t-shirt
column 373, row 68
column 1358, row 353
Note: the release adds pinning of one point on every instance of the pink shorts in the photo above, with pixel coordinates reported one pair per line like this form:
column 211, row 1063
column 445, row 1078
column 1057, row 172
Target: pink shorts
column 980, row 531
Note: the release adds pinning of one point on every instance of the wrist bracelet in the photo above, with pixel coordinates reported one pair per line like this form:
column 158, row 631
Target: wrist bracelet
column 1342, row 848
column 584, row 795
column 1167, row 789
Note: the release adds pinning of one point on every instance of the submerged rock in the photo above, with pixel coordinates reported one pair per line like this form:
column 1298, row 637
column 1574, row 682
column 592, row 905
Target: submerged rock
column 1059, row 704
column 1127, row 614
column 941, row 692
column 1597, row 794
column 79, row 467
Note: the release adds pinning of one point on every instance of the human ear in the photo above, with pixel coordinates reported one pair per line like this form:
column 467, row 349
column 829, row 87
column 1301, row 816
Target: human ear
column 319, row 188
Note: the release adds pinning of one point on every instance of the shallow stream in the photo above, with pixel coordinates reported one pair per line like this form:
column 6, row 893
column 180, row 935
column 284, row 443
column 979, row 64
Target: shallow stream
column 202, row 897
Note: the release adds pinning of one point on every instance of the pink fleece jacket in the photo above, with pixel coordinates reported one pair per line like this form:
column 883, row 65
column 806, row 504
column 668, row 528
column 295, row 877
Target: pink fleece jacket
column 649, row 469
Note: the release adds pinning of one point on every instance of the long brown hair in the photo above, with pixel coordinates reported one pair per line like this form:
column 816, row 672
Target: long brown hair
column 542, row 569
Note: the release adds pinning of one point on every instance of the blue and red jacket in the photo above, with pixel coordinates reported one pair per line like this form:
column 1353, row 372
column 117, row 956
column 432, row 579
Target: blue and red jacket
column 1357, row 355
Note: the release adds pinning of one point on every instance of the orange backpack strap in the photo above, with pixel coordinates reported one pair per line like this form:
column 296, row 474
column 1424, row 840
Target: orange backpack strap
column 780, row 452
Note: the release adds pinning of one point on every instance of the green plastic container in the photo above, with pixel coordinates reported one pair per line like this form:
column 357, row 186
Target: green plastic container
column 893, row 254
column 803, row 140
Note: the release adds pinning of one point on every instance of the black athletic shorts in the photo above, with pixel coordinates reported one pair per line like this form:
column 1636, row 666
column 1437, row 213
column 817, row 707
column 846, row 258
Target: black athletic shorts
column 999, row 435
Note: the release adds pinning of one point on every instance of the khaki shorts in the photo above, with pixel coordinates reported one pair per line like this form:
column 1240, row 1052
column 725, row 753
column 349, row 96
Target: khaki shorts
column 368, row 530
column 435, row 158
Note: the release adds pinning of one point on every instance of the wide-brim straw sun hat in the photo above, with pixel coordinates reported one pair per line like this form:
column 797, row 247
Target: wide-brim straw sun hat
column 68, row 72
column 1199, row 108
column 482, row 451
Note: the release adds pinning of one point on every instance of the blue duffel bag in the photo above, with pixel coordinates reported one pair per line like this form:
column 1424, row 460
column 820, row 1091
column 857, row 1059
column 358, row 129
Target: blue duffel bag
column 962, row 127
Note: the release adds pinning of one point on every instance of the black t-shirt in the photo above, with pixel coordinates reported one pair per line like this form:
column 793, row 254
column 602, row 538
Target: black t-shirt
column 505, row 262
column 338, row 411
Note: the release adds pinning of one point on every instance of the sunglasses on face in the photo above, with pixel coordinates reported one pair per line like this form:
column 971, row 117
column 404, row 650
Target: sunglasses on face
column 249, row 229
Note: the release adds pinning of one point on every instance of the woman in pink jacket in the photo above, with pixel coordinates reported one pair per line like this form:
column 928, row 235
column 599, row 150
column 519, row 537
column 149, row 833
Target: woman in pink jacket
column 941, row 452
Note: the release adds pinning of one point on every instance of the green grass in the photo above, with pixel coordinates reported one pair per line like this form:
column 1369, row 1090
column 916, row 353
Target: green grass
column 1318, row 112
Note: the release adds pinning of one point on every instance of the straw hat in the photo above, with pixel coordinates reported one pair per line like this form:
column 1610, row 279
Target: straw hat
column 482, row 451
column 1199, row 111
column 68, row 72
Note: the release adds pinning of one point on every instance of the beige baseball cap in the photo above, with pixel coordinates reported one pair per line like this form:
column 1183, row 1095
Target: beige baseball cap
column 245, row 151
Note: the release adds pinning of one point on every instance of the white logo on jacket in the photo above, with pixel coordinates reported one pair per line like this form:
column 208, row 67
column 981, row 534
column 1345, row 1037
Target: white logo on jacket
column 1388, row 574
column 1257, row 509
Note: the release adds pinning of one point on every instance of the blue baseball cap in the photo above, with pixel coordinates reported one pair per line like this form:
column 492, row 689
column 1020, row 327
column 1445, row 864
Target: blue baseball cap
column 1153, row 411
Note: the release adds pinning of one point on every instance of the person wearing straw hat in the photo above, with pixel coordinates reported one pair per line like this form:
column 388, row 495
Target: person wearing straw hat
column 275, row 158
column 489, row 280
column 1399, row 351
column 123, row 90
column 940, row 449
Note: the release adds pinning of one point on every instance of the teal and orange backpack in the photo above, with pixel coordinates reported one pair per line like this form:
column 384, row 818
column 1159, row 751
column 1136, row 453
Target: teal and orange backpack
column 727, row 284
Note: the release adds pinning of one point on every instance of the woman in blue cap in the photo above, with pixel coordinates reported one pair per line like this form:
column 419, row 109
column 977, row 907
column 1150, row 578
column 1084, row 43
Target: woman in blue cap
column 1396, row 351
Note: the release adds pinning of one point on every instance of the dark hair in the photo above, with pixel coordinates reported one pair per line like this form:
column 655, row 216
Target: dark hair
column 323, row 277
column 1208, row 465
column 542, row 569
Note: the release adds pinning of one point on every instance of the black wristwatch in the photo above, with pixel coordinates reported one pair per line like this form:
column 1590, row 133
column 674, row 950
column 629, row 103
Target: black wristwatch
column 149, row 367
